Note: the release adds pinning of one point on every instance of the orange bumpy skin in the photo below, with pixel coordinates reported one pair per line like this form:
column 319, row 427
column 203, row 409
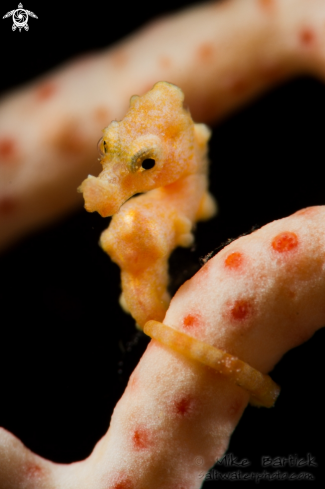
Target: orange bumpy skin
column 157, row 148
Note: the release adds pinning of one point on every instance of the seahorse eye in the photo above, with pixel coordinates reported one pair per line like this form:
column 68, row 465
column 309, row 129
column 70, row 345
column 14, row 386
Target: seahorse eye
column 148, row 163
column 143, row 160
column 102, row 147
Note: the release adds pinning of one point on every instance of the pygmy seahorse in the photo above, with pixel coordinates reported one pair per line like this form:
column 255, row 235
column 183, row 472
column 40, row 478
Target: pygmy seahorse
column 157, row 149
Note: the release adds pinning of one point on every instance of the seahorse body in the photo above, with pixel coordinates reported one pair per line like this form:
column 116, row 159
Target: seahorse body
column 157, row 149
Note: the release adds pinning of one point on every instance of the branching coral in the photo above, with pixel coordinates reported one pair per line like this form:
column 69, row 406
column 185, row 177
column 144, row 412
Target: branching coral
column 260, row 296
column 156, row 146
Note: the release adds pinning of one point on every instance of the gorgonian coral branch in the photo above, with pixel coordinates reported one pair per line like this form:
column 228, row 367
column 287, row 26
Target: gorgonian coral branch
column 259, row 297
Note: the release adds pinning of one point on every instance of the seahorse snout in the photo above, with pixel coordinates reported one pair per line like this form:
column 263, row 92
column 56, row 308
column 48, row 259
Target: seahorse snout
column 100, row 196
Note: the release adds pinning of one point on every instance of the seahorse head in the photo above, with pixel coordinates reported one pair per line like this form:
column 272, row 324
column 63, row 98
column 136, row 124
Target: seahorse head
column 154, row 145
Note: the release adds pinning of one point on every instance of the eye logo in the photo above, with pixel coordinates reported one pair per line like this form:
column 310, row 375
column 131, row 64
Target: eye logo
column 20, row 18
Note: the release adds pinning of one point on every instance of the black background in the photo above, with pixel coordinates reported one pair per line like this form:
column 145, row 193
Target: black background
column 66, row 348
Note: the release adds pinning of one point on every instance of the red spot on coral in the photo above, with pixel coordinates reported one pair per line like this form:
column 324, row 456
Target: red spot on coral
column 286, row 241
column 70, row 139
column 7, row 205
column 34, row 470
column 123, row 482
column 119, row 58
column 267, row 5
column 236, row 84
column 165, row 62
column 205, row 51
column 234, row 260
column 133, row 381
column 140, row 438
column 308, row 211
column 45, row 90
column 203, row 272
column 307, row 36
column 191, row 321
column 7, row 148
column 183, row 405
column 240, row 309
column 102, row 115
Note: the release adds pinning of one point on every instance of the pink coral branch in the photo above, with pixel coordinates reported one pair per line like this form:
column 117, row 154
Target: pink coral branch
column 260, row 296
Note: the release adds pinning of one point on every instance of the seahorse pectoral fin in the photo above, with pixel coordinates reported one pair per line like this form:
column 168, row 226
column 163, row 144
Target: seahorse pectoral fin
column 182, row 224
column 208, row 207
